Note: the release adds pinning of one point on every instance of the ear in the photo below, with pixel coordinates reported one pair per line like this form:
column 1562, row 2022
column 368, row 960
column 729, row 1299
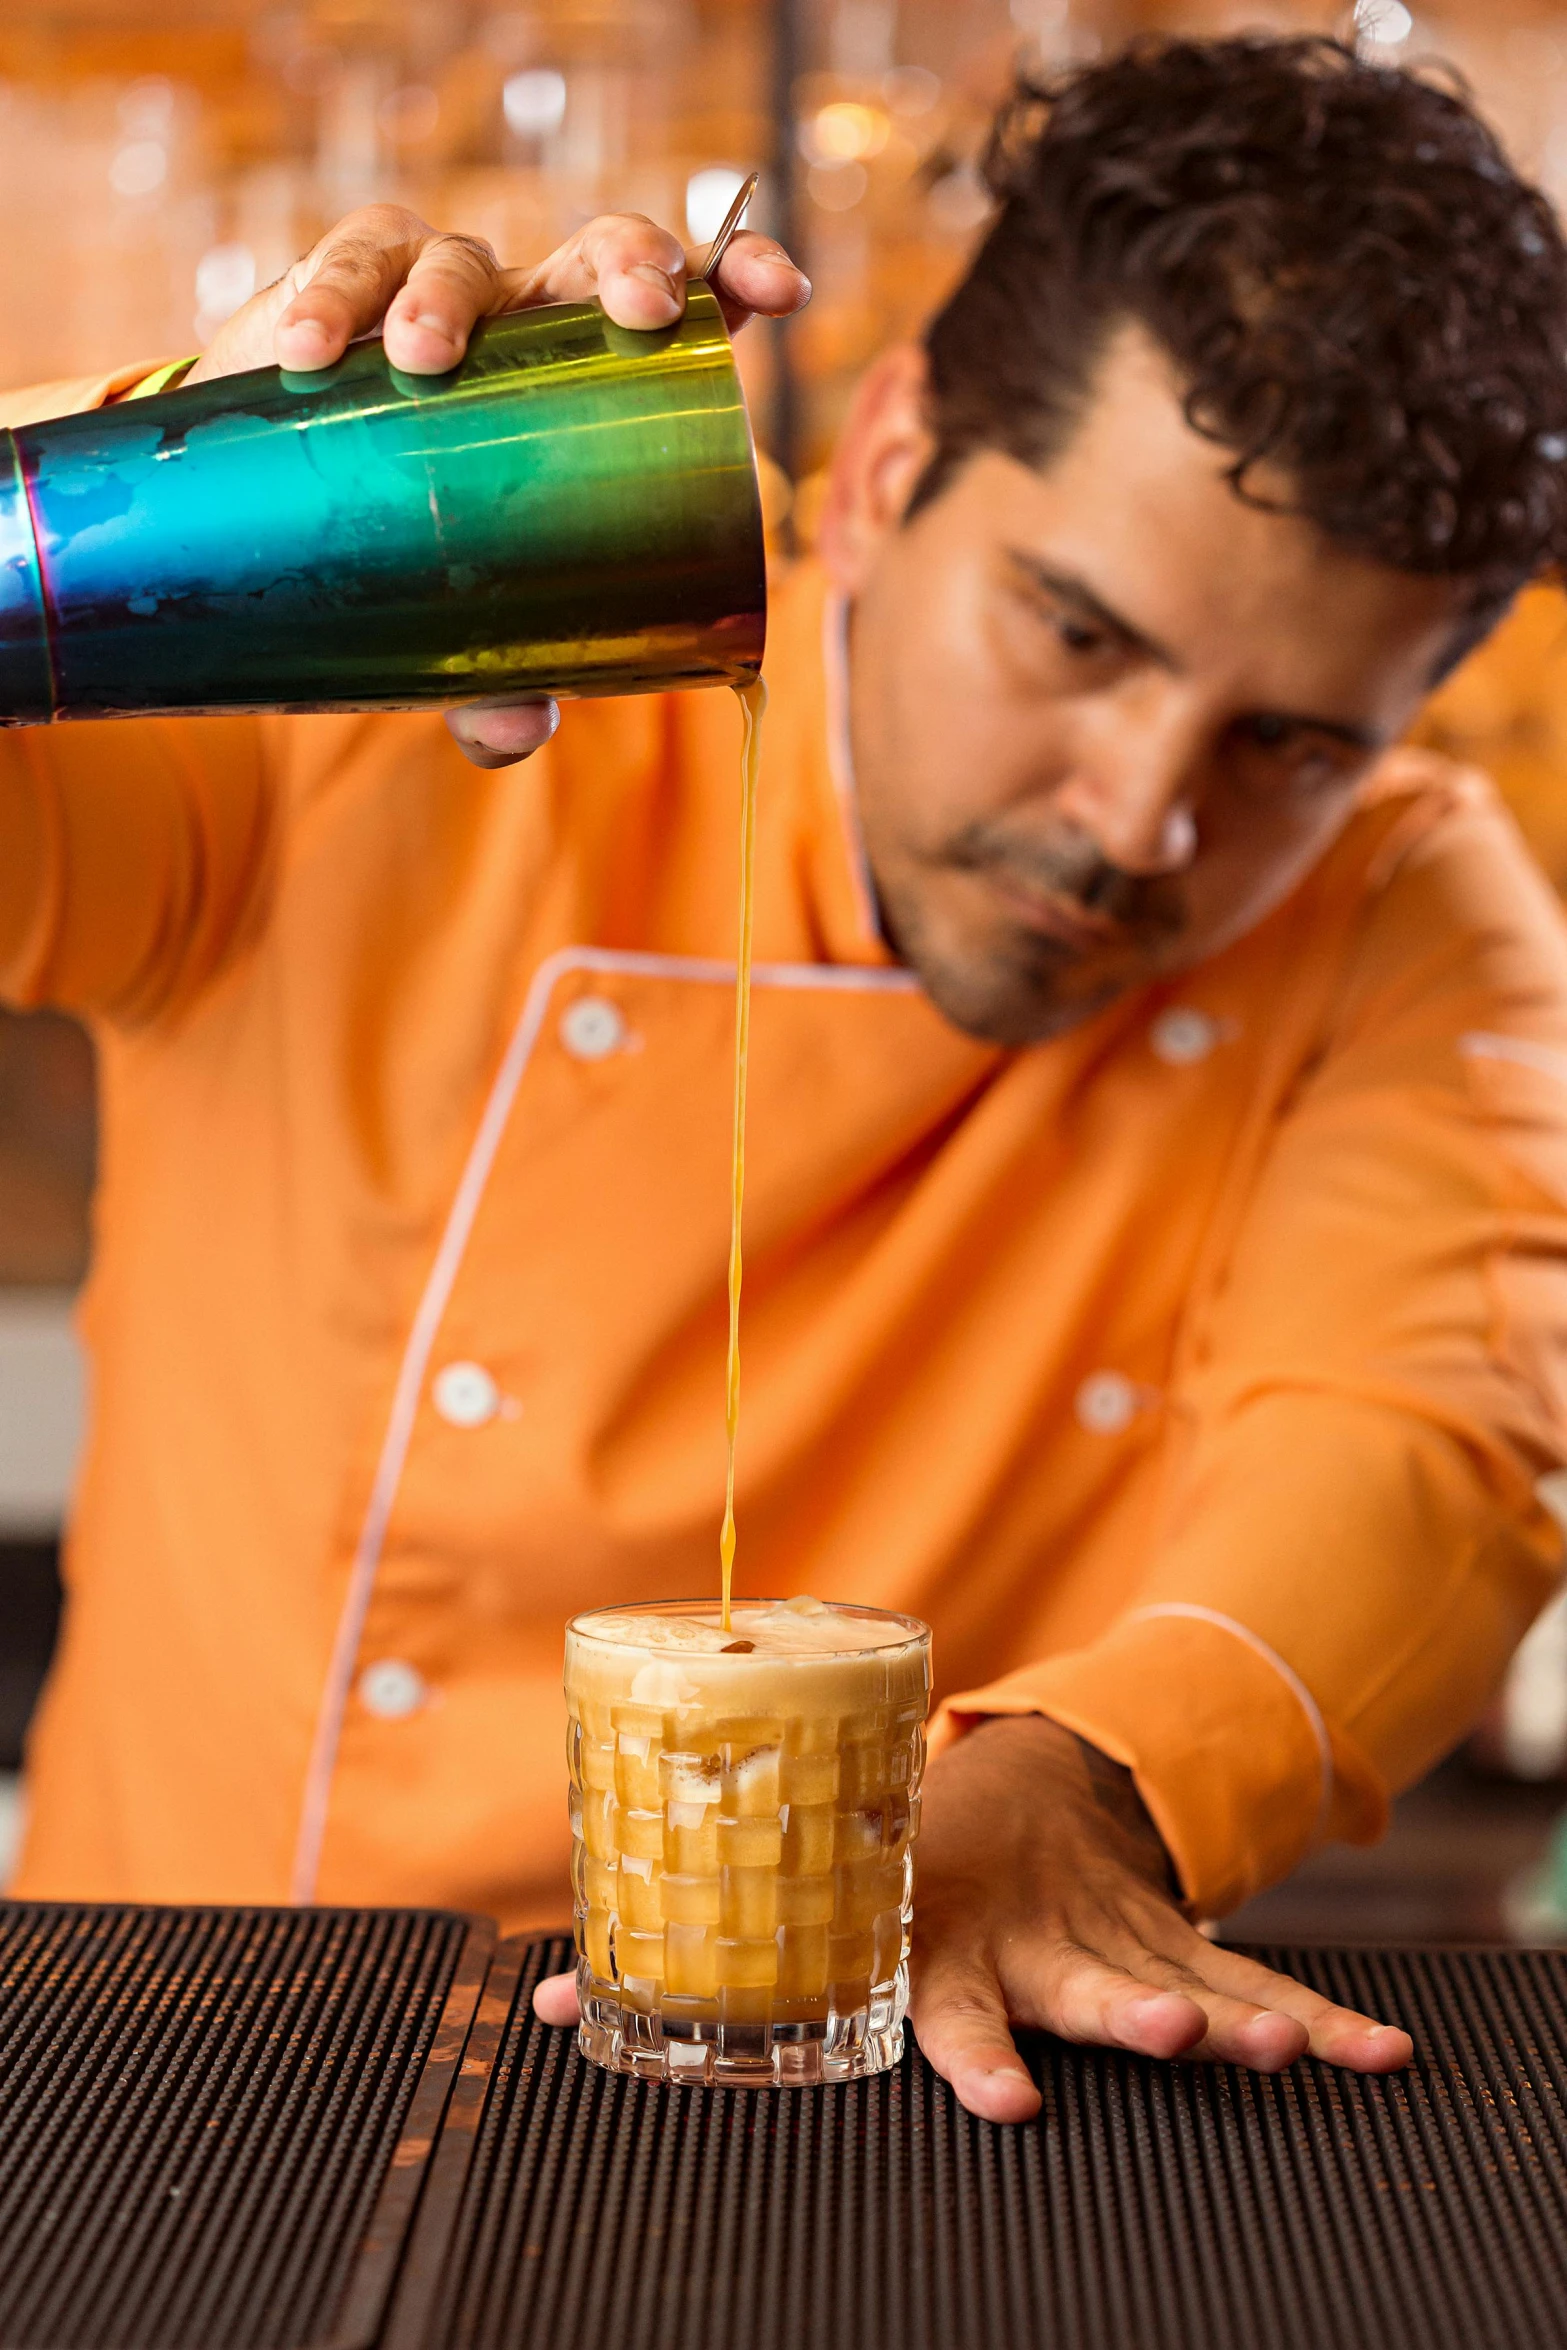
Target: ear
column 881, row 454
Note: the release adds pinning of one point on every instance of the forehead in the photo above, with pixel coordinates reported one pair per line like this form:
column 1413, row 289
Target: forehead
column 1137, row 505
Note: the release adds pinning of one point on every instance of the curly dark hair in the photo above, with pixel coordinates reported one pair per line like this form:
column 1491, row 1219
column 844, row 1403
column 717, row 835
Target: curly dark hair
column 1358, row 290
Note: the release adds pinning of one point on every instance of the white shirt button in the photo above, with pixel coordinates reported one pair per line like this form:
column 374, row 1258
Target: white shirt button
column 465, row 1395
column 1106, row 1403
column 391, row 1690
column 1182, row 1035
column 592, row 1028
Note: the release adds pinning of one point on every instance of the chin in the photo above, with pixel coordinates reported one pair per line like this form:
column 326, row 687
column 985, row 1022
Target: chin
column 997, row 1008
column 1007, row 985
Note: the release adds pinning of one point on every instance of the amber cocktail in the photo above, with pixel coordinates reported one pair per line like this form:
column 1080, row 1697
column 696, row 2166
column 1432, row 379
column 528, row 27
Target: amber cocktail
column 743, row 1809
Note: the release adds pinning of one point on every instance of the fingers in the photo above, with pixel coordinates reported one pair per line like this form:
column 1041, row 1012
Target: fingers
column 383, row 267
column 639, row 272
column 1143, row 1980
column 1337, row 2035
column 1250, row 2015
column 454, row 281
column 1234, row 2012
column 1361, row 2045
column 636, row 269
column 1167, row 1992
column 1240, row 2031
column 498, row 734
column 757, row 278
column 1093, row 2001
column 961, row 2019
column 343, row 286
column 555, row 2000
column 1148, row 2004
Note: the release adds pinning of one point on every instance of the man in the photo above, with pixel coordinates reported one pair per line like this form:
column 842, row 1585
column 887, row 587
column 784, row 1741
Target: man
column 1158, row 1210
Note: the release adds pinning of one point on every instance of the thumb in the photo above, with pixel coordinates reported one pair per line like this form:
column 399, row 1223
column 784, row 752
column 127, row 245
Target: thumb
column 960, row 2019
column 555, row 2000
column 498, row 734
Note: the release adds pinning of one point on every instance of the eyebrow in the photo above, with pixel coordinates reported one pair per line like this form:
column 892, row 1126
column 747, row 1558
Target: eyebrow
column 1079, row 598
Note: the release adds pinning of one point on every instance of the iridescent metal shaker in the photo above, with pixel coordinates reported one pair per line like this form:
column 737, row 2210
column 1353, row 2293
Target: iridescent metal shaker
column 572, row 510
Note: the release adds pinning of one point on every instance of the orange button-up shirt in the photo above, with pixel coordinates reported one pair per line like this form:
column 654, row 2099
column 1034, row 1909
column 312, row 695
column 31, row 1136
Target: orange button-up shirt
column 1195, row 1374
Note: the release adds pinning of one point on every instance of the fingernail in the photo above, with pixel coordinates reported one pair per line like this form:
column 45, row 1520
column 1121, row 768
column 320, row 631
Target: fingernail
column 436, row 326
column 652, row 275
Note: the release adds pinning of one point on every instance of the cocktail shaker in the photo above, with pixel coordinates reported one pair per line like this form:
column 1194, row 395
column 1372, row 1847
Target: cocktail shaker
column 572, row 510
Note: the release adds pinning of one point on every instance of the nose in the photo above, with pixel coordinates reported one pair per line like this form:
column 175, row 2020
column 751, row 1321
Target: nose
column 1142, row 838
column 1133, row 790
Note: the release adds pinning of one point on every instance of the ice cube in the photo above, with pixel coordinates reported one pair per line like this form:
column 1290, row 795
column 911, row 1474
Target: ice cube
column 660, row 1683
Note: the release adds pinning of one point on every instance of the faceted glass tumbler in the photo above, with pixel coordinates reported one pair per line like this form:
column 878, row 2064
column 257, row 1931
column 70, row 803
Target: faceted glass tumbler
column 743, row 1826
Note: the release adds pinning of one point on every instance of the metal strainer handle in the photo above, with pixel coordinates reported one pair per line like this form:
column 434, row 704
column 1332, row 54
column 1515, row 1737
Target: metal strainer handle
column 732, row 219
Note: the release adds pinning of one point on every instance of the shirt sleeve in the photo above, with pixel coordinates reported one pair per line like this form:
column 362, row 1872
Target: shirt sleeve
column 130, row 850
column 1372, row 1403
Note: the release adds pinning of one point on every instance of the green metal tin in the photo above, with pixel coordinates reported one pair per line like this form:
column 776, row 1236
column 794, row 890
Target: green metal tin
column 573, row 510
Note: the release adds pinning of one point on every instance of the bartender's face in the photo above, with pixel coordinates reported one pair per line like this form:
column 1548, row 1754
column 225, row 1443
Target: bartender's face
column 1105, row 715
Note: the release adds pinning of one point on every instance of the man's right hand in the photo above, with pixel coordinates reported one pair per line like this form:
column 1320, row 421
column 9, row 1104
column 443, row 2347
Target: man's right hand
column 385, row 270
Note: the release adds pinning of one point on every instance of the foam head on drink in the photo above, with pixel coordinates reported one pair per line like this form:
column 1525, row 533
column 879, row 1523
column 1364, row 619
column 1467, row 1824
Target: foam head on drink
column 743, row 1806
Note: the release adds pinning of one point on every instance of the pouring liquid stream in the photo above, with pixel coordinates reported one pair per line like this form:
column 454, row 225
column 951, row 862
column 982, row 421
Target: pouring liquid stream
column 753, row 701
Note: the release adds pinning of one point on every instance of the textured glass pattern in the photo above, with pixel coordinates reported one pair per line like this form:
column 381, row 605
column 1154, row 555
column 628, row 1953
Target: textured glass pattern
column 743, row 1879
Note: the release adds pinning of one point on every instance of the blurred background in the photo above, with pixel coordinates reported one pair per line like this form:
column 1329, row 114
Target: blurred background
column 161, row 159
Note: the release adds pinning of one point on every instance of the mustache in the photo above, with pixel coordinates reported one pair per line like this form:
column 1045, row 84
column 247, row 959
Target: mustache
column 1073, row 867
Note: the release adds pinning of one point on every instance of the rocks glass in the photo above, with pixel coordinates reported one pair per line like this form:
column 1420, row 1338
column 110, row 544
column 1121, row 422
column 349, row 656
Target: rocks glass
column 743, row 1811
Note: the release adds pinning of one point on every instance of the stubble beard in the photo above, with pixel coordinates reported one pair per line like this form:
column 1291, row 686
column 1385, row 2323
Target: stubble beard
column 1025, row 992
column 1022, row 987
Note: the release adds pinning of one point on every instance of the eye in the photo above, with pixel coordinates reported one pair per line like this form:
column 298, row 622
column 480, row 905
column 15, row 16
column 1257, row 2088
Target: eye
column 1078, row 636
column 1268, row 731
column 1277, row 751
column 1313, row 766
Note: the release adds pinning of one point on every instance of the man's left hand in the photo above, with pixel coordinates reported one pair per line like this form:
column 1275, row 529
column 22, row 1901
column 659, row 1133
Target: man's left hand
column 1043, row 1899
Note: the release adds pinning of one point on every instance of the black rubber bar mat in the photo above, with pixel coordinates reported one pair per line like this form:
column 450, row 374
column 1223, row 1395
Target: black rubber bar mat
column 1152, row 2207
column 215, row 2123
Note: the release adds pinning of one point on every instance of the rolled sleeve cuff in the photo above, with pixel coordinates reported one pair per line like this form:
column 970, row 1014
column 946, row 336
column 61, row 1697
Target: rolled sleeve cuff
column 166, row 378
column 1228, row 1748
column 77, row 395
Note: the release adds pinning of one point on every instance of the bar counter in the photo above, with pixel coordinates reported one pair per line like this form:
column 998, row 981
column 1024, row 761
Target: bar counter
column 252, row 2129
